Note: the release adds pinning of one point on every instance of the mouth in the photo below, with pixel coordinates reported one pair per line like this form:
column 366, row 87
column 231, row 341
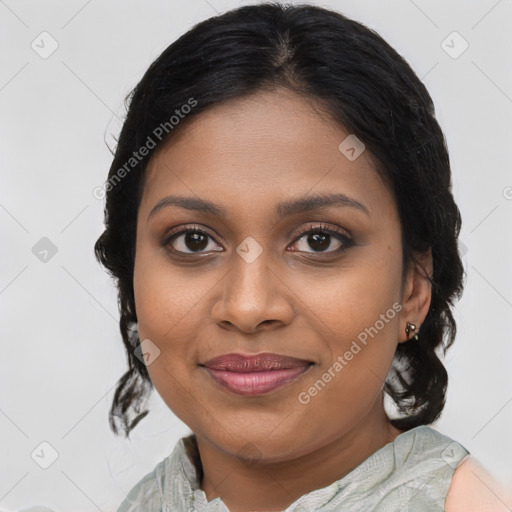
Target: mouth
column 257, row 374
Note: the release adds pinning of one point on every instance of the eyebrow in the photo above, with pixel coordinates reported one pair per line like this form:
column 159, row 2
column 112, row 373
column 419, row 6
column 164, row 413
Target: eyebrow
column 283, row 209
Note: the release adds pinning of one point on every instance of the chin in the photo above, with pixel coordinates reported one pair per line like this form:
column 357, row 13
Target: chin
column 258, row 442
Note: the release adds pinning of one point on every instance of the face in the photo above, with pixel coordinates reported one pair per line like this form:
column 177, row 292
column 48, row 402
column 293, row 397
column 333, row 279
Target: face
column 254, row 274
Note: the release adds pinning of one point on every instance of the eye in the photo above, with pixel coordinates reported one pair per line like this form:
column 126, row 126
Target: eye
column 321, row 238
column 189, row 241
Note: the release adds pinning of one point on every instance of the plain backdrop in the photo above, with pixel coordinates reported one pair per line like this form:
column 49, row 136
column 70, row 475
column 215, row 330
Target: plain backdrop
column 61, row 348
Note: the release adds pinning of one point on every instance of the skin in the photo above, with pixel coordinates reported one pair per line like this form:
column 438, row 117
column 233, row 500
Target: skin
column 474, row 489
column 264, row 452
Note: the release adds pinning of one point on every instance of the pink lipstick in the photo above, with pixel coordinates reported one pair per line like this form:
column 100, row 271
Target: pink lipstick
column 256, row 374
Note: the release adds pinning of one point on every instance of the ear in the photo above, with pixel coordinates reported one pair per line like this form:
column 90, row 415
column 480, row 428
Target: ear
column 417, row 294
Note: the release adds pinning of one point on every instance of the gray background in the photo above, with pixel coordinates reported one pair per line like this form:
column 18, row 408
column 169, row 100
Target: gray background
column 61, row 348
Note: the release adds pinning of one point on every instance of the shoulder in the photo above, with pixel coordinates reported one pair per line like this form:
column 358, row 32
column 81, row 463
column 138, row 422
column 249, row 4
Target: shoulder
column 473, row 489
column 427, row 450
column 146, row 495
column 167, row 487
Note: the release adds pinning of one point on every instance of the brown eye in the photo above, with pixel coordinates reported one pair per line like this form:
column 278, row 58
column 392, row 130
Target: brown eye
column 190, row 241
column 322, row 240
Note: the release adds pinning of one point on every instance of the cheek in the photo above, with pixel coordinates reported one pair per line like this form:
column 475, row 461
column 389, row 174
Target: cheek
column 358, row 315
column 167, row 305
column 161, row 297
column 162, row 318
column 355, row 297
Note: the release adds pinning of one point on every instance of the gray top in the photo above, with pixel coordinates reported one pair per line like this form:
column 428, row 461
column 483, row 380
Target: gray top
column 411, row 473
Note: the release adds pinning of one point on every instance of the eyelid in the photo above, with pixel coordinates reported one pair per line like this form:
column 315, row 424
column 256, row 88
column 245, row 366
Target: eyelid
column 183, row 229
column 323, row 227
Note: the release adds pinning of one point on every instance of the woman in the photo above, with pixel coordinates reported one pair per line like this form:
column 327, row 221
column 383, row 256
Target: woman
column 280, row 222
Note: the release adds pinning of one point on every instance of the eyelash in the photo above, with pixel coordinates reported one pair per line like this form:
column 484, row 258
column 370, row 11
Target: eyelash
column 346, row 241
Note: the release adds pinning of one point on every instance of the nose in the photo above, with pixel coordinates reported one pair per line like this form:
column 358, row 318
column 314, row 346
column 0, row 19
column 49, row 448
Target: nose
column 253, row 297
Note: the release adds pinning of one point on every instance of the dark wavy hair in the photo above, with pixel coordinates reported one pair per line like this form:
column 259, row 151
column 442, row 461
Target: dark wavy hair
column 363, row 84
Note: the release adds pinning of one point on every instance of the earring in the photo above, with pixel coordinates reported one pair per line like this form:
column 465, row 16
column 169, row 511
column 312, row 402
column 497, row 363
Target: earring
column 411, row 327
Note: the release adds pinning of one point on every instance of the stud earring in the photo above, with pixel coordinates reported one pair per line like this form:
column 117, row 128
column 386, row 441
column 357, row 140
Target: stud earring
column 411, row 327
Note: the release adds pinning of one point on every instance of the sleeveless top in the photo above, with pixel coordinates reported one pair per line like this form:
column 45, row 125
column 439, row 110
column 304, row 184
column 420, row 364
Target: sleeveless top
column 411, row 473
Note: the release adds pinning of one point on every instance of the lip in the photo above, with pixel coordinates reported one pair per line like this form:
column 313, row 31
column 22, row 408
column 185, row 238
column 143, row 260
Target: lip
column 255, row 374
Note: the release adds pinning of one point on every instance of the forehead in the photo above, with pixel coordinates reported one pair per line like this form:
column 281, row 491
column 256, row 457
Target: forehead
column 261, row 149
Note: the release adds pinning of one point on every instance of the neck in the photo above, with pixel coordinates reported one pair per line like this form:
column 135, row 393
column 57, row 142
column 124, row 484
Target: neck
column 274, row 486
